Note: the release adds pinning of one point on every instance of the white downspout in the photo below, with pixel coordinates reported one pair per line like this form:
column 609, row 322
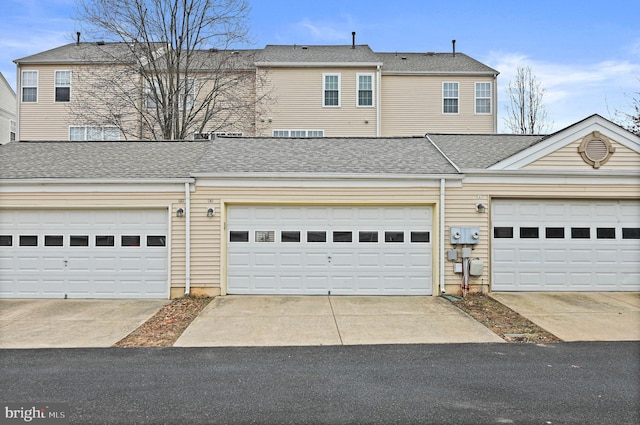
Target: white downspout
column 378, row 103
column 187, row 239
column 442, row 189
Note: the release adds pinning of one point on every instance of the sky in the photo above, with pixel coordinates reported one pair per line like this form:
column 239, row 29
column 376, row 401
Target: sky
column 586, row 55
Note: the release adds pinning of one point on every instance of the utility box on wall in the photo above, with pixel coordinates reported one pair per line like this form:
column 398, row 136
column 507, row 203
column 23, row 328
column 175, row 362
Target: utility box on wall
column 464, row 235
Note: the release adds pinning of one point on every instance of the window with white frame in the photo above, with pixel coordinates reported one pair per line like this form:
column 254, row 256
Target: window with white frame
column 79, row 133
column 187, row 93
column 29, row 86
column 331, row 90
column 63, row 86
column 365, row 89
column 483, row 98
column 12, row 134
column 450, row 98
column 152, row 96
column 298, row 133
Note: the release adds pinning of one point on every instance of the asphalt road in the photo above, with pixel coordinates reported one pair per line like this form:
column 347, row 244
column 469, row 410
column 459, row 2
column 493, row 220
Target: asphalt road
column 566, row 383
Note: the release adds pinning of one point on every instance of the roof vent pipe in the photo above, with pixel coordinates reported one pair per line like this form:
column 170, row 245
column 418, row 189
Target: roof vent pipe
column 453, row 43
column 78, row 39
column 353, row 39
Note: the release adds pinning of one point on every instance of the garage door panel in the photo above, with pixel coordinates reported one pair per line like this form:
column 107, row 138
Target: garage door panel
column 530, row 256
column 630, row 257
column 75, row 268
column 336, row 263
column 607, row 256
column 598, row 258
column 631, row 280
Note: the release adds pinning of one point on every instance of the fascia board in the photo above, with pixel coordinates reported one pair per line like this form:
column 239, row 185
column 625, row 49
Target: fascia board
column 95, row 181
column 566, row 137
column 325, row 176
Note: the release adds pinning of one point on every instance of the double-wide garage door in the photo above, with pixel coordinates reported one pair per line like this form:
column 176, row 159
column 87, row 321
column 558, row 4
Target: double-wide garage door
column 83, row 254
column 553, row 245
column 338, row 250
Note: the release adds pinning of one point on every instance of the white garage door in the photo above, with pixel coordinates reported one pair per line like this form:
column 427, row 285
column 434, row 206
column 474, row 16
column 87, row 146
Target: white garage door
column 83, row 254
column 548, row 245
column 329, row 250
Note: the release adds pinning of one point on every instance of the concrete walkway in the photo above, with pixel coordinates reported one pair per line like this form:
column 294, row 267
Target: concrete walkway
column 71, row 323
column 580, row 316
column 322, row 320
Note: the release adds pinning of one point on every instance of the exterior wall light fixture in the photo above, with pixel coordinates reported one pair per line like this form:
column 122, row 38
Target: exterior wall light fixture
column 481, row 208
column 179, row 212
column 211, row 212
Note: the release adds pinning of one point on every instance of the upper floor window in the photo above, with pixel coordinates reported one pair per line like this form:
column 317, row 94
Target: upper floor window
column 63, row 86
column 93, row 133
column 12, row 134
column 450, row 98
column 29, row 86
column 187, row 93
column 331, row 89
column 365, row 89
column 483, row 98
column 152, row 96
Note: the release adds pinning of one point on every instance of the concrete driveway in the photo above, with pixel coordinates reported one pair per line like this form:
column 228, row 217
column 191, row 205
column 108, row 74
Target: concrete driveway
column 321, row 320
column 71, row 323
column 580, row 316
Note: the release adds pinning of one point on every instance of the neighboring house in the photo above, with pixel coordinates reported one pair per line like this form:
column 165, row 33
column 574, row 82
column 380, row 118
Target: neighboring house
column 299, row 91
column 345, row 216
column 7, row 112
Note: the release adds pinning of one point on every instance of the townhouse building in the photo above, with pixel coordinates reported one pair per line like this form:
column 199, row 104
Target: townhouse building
column 287, row 91
column 8, row 117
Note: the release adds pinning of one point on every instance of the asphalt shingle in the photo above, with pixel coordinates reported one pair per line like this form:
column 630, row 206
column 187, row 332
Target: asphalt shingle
column 413, row 156
column 99, row 160
column 302, row 54
column 435, row 63
column 479, row 151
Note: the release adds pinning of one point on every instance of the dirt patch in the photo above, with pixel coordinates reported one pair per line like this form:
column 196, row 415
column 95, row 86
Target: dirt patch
column 166, row 326
column 509, row 325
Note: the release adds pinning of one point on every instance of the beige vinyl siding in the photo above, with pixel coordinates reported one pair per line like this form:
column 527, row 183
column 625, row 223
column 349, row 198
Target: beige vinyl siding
column 207, row 241
column 116, row 200
column 44, row 119
column 568, row 158
column 460, row 212
column 411, row 105
column 237, row 113
column 50, row 120
column 297, row 103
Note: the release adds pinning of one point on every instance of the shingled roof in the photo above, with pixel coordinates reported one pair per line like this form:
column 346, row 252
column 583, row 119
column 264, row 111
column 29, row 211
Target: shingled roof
column 479, row 151
column 315, row 54
column 323, row 156
column 274, row 55
column 376, row 156
column 433, row 63
column 100, row 160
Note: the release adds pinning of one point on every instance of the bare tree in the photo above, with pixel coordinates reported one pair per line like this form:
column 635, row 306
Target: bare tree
column 630, row 120
column 167, row 68
column 526, row 114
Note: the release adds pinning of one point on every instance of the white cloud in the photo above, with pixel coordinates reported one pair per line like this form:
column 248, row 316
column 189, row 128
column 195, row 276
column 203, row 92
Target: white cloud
column 324, row 32
column 573, row 91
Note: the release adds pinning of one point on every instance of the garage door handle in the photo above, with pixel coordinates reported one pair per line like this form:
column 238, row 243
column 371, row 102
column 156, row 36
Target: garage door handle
column 66, row 263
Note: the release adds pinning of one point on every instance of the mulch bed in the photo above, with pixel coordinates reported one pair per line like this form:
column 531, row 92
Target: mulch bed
column 166, row 326
column 509, row 325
